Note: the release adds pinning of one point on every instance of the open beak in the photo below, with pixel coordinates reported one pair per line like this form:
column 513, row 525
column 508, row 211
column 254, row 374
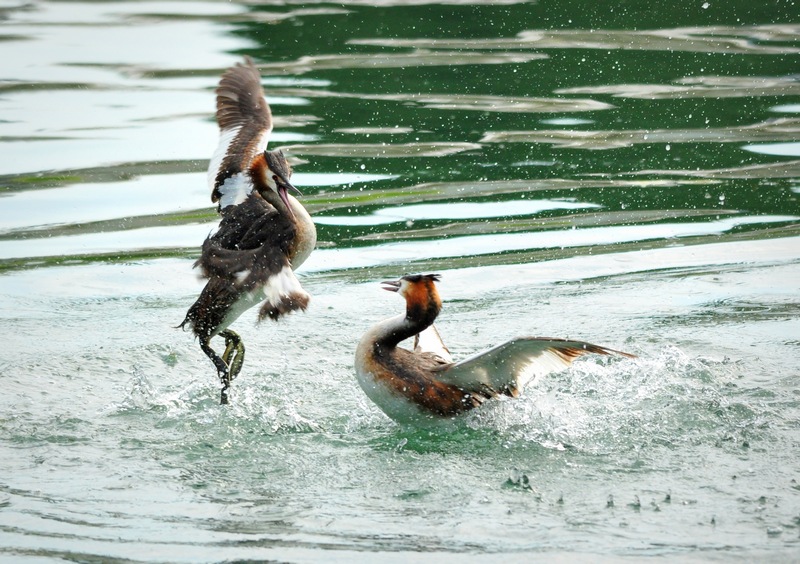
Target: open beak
column 391, row 285
column 283, row 192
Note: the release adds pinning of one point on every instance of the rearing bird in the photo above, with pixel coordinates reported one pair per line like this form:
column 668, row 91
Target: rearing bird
column 425, row 385
column 265, row 233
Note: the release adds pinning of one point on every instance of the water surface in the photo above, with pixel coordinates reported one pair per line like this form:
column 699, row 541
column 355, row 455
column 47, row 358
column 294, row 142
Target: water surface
column 622, row 174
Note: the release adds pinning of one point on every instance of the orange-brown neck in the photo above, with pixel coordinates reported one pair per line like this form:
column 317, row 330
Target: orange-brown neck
column 422, row 307
column 422, row 302
column 258, row 173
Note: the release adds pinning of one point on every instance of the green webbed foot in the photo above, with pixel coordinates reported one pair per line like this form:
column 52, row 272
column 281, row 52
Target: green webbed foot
column 233, row 357
column 234, row 353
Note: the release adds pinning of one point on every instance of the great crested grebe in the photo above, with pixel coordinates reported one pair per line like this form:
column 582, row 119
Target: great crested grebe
column 265, row 233
column 425, row 384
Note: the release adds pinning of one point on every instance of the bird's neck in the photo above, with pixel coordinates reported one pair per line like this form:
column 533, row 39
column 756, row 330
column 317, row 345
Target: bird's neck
column 419, row 316
column 305, row 238
column 305, row 233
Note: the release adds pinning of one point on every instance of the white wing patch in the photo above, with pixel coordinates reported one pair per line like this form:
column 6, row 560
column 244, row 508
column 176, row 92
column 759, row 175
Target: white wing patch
column 225, row 138
column 235, row 190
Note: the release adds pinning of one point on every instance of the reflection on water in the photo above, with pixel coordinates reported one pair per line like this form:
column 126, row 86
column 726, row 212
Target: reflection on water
column 779, row 149
column 141, row 196
column 410, row 251
column 473, row 102
column 714, row 39
column 432, row 135
column 771, row 130
column 380, row 150
column 700, row 87
column 509, row 208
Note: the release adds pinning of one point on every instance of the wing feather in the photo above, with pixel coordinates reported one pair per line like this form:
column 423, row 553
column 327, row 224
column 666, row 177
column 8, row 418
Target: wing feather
column 249, row 255
column 250, row 245
column 245, row 124
column 429, row 341
column 508, row 368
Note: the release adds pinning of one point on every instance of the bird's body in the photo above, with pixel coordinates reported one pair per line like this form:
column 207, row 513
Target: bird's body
column 265, row 233
column 424, row 384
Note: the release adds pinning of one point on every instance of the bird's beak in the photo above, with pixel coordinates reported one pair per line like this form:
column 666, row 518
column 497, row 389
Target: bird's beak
column 391, row 285
column 283, row 192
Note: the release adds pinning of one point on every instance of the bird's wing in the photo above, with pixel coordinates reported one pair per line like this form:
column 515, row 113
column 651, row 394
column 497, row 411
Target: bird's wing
column 429, row 341
column 250, row 244
column 249, row 252
column 245, row 123
column 507, row 368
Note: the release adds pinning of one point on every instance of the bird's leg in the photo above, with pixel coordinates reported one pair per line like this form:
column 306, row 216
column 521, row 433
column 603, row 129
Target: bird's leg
column 234, row 352
column 222, row 369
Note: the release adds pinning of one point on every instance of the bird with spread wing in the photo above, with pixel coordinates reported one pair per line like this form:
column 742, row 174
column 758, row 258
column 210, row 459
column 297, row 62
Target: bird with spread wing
column 265, row 233
column 424, row 384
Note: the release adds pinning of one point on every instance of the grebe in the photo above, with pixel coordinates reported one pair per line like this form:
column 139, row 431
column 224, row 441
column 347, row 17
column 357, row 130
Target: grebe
column 265, row 233
column 425, row 385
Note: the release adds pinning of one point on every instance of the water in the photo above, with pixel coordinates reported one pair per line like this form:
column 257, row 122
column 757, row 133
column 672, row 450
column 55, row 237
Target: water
column 571, row 170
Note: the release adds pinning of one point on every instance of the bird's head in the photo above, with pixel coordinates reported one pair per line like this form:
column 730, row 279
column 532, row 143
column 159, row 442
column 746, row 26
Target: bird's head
column 275, row 175
column 419, row 291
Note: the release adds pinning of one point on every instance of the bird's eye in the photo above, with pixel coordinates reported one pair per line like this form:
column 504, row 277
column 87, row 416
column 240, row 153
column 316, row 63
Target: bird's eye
column 275, row 177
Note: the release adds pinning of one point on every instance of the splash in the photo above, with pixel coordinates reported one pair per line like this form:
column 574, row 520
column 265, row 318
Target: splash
column 612, row 407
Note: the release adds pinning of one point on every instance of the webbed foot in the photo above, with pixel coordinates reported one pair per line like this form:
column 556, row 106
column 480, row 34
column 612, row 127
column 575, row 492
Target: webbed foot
column 234, row 353
column 230, row 364
column 233, row 357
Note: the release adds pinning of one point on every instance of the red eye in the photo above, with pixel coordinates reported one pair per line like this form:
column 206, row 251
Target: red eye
column 275, row 177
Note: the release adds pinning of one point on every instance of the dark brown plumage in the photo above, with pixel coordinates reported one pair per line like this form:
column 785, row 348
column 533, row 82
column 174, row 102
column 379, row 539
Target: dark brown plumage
column 265, row 233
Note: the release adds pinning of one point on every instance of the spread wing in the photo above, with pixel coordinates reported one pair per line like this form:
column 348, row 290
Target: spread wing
column 245, row 123
column 249, row 252
column 507, row 368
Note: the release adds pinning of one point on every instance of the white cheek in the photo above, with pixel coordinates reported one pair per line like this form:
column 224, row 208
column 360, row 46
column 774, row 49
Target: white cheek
column 403, row 288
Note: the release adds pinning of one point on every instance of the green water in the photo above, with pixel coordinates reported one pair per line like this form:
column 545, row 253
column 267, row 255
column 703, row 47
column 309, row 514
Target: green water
column 624, row 173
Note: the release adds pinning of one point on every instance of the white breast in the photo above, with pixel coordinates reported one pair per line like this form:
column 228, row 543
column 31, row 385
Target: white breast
column 392, row 403
column 245, row 302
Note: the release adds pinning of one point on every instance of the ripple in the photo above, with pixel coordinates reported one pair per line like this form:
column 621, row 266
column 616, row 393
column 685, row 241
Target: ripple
column 381, row 150
column 698, row 87
column 453, row 210
column 779, row 149
column 755, row 40
column 771, row 130
column 141, row 196
column 409, row 251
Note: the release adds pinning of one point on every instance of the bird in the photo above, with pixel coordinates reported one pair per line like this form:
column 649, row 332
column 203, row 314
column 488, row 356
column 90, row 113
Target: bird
column 264, row 234
column 424, row 385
